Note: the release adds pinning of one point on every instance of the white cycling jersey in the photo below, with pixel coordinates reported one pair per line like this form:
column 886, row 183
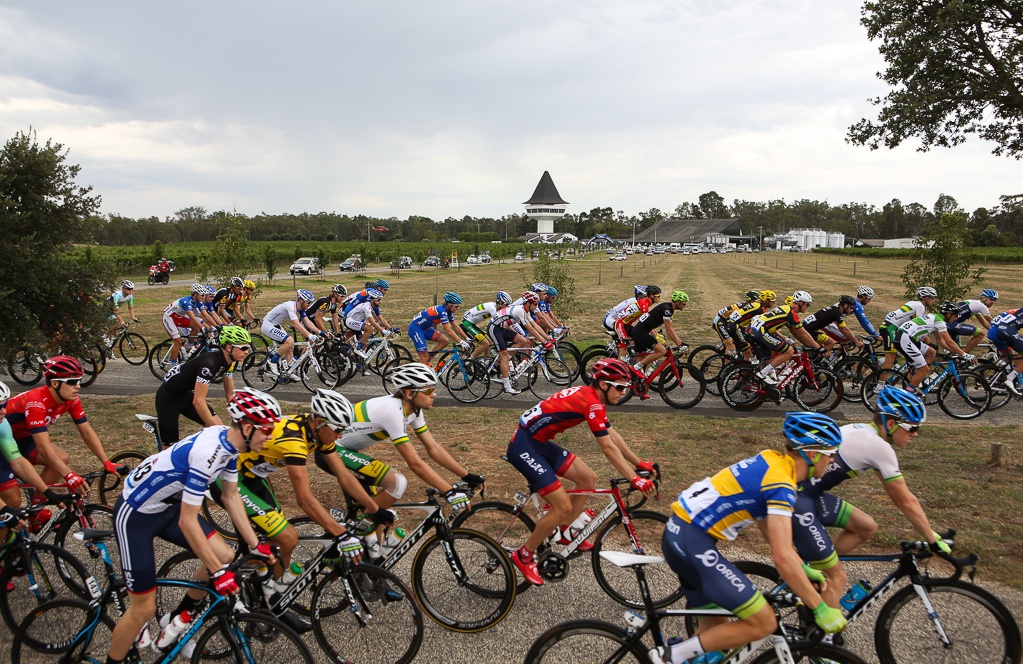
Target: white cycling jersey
column 510, row 316
column 480, row 313
column 380, row 418
column 924, row 325
column 358, row 315
column 282, row 313
column 861, row 449
column 906, row 312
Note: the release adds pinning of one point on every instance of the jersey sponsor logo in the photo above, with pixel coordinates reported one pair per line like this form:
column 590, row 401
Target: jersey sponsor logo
column 212, row 461
column 806, row 520
column 206, row 373
column 532, row 463
column 673, row 527
column 711, row 559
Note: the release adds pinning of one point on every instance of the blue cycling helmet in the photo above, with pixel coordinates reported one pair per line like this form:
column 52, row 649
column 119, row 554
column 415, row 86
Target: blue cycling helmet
column 539, row 287
column 503, row 298
column 305, row 295
column 382, row 283
column 989, row 292
column 374, row 294
column 812, row 430
column 900, row 404
column 452, row 298
column 639, row 290
column 552, row 291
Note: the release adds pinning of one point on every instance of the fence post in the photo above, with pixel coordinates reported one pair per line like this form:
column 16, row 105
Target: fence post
column 598, row 272
column 815, row 266
column 996, row 454
column 854, row 268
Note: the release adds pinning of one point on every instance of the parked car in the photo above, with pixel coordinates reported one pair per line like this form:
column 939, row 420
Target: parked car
column 520, row 257
column 307, row 266
column 610, row 251
column 349, row 264
column 403, row 263
column 473, row 259
column 617, row 257
column 485, row 259
column 431, row 261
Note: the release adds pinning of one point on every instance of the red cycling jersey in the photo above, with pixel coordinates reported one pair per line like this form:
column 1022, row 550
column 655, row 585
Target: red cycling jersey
column 34, row 411
column 631, row 313
column 564, row 410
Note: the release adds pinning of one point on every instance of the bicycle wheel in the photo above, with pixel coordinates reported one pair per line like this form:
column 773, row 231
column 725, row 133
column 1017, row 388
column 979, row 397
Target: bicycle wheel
column 620, row 583
column 49, row 573
column 741, row 388
column 964, row 397
column 99, row 517
column 463, row 580
column 92, row 366
column 255, row 373
column 701, row 354
column 393, row 353
column 159, row 359
column 585, row 642
column 218, row 517
column 251, row 637
column 501, row 523
column 540, row 385
column 995, row 377
column 133, row 348
column 111, row 484
column 712, row 368
column 325, row 378
column 181, row 565
column 366, row 614
column 817, row 654
column 24, row 368
column 873, row 383
column 820, row 395
column 591, row 356
column 570, row 357
column 52, row 633
column 977, row 624
column 685, row 391
column 468, row 385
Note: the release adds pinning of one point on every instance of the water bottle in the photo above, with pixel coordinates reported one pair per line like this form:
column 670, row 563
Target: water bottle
column 372, row 545
column 853, row 596
column 290, row 574
column 393, row 540
column 175, row 628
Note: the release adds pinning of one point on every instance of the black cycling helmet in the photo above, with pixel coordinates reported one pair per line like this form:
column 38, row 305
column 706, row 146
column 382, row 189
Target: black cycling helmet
column 848, row 300
column 653, row 289
column 948, row 308
column 752, row 295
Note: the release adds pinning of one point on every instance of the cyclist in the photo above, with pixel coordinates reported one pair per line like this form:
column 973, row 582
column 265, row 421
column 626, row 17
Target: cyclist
column 546, row 307
column 180, row 315
column 864, row 294
column 225, row 299
column 738, row 320
column 910, row 310
column 911, row 340
column 957, row 318
column 162, row 497
column 328, row 304
column 123, row 295
column 509, row 326
column 611, row 315
column 759, row 490
column 244, row 300
column 763, row 333
column 360, row 322
column 828, row 325
column 533, row 452
column 865, row 447
column 13, row 466
column 623, row 324
column 186, row 386
column 480, row 315
column 31, row 414
column 1004, row 334
column 647, row 324
column 294, row 438
column 388, row 417
column 751, row 301
column 294, row 311
column 422, row 328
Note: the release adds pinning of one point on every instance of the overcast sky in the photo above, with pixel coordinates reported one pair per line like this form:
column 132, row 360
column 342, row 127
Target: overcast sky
column 458, row 106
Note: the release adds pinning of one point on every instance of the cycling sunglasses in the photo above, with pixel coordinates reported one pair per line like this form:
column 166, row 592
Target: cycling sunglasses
column 428, row 391
column 911, row 428
column 621, row 387
column 69, row 381
column 244, row 349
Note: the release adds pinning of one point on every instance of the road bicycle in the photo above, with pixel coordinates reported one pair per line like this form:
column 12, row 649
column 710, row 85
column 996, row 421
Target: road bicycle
column 534, row 368
column 25, row 367
column 995, row 370
column 160, row 360
column 314, row 370
column 813, row 388
column 932, row 619
column 680, row 384
column 466, row 378
column 131, row 346
column 380, row 353
column 962, row 394
column 589, row 641
column 619, row 526
column 76, row 630
column 853, row 369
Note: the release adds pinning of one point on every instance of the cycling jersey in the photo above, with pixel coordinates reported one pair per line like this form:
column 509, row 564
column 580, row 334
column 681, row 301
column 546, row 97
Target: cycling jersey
column 921, row 326
column 861, row 449
column 182, row 306
column 480, row 313
column 611, row 315
column 544, row 306
column 8, row 452
column 908, row 311
column 1004, row 331
column 632, row 313
column 782, row 315
column 354, row 300
column 291, row 443
column 510, row 316
column 428, row 318
column 378, row 419
column 832, row 315
column 325, row 304
column 563, row 410
column 968, row 308
column 648, row 323
column 117, row 298
column 745, row 312
column 355, row 319
column 739, row 495
column 284, row 312
column 34, row 411
column 861, row 316
column 224, row 297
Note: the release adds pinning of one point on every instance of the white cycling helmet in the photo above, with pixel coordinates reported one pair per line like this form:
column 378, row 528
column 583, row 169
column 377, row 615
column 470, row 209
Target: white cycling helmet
column 335, row 410
column 198, row 289
column 5, row 392
column 802, row 296
column 413, row 376
column 926, row 291
column 128, row 283
column 865, row 290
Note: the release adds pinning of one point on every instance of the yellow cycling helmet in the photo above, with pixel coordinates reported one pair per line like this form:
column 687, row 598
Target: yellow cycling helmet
column 250, row 284
column 789, row 300
column 766, row 295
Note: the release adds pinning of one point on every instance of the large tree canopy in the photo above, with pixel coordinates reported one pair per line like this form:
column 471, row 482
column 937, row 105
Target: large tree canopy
column 956, row 67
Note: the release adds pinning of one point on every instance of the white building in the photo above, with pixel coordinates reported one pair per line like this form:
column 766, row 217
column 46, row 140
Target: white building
column 545, row 205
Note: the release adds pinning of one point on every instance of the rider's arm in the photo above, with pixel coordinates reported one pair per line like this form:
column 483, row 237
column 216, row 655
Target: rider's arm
column 199, row 394
column 861, row 316
column 21, row 466
column 805, row 337
column 439, row 454
column 618, row 453
column 307, row 502
column 318, row 320
column 946, row 342
column 903, row 498
column 235, row 508
column 228, row 387
column 421, row 468
column 91, row 441
column 299, row 325
column 670, row 331
column 778, row 532
column 188, row 521
column 535, row 330
column 454, row 335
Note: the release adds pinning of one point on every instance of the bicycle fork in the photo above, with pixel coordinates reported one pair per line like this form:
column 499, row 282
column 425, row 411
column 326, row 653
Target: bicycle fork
column 933, row 616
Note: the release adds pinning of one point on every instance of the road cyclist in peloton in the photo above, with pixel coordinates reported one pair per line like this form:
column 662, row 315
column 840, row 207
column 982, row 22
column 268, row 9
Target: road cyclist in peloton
column 751, row 302
column 162, row 498
column 926, row 296
column 423, row 328
column 182, row 315
column 626, row 318
column 911, row 340
column 293, row 312
column 328, row 304
column 1004, row 334
column 738, row 320
column 957, row 319
column 647, row 324
column 611, row 315
column 475, row 320
column 508, row 327
column 828, row 325
column 533, row 452
column 758, row 490
column 361, row 322
column 388, row 418
column 122, row 296
column 864, row 294
column 763, row 333
column 208, row 311
column 225, row 299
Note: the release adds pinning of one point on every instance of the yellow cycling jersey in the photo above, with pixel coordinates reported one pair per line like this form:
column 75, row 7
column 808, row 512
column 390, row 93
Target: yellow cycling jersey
column 292, row 441
column 777, row 317
column 741, row 494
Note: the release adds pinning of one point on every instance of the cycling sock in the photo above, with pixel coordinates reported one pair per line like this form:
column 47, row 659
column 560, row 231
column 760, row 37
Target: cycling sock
column 767, row 370
column 525, row 555
column 686, row 650
column 274, row 357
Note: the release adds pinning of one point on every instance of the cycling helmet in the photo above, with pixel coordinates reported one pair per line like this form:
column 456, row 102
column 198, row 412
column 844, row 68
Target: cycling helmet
column 62, row 366
column 530, row 296
column 339, row 289
column 768, row 296
column 680, row 296
column 237, row 282
column 552, row 291
column 248, row 283
column 926, row 291
column 751, row 295
column 503, row 298
column 452, row 298
column 336, row 410
column 370, row 284
column 253, row 406
column 5, row 392
column 948, row 308
column 865, row 290
column 198, row 289
column 612, row 369
column 789, row 301
column 374, row 294
column 802, row 296
column 305, row 295
column 812, row 430
column 639, row 290
column 382, row 283
column 127, row 283
column 847, row 299
column 653, row 289
column 234, row 335
column 210, row 290
column 900, row 404
column 989, row 292
column 413, row 376
column 539, row 287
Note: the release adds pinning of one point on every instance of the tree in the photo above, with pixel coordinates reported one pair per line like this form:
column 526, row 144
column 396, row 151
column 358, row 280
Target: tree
column 554, row 273
column 269, row 262
column 45, row 294
column 943, row 260
column 955, row 67
column 713, row 206
column 230, row 254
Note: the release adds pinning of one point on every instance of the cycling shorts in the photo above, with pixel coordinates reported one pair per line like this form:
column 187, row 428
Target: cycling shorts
column 644, row 340
column 261, row 505
column 136, row 532
column 540, row 463
column 500, row 337
column 176, row 325
column 8, row 480
column 767, row 340
column 369, row 471
column 474, row 332
column 420, row 337
column 169, row 407
column 709, row 580
column 887, row 334
column 956, row 330
column 810, row 537
column 738, row 335
column 1005, row 338
column 356, row 326
column 912, row 350
column 275, row 332
column 720, row 326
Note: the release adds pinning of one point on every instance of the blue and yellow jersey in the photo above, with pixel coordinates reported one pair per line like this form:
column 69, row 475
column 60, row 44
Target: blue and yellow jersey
column 737, row 496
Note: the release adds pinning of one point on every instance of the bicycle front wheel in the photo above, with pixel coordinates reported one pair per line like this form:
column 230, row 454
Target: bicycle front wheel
column 98, row 517
column 620, row 583
column 686, row 390
column 977, row 625
column 325, row 377
column 820, row 395
column 467, row 385
column 133, row 348
column 965, row 396
column 501, row 523
column 251, row 637
column 160, row 359
column 741, row 388
column 256, row 374
column 49, row 573
column 852, row 371
column 585, row 642
column 58, row 632
column 464, row 580
column 366, row 614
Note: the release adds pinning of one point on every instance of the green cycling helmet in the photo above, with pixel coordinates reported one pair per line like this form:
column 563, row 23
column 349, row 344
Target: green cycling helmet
column 234, row 335
column 680, row 296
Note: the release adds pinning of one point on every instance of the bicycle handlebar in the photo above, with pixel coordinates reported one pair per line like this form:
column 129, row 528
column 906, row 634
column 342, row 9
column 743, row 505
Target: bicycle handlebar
column 923, row 550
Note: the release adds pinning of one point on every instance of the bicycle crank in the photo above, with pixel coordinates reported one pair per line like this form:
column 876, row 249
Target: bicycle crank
column 552, row 566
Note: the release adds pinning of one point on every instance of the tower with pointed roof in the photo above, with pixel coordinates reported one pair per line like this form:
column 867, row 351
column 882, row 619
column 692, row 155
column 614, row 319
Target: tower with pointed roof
column 545, row 205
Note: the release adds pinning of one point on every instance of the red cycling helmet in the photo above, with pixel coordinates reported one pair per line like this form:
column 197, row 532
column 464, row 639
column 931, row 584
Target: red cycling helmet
column 612, row 369
column 530, row 296
column 62, row 366
column 254, row 406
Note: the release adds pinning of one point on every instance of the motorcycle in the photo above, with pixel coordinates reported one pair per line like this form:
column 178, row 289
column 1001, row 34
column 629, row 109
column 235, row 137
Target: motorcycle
column 159, row 276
